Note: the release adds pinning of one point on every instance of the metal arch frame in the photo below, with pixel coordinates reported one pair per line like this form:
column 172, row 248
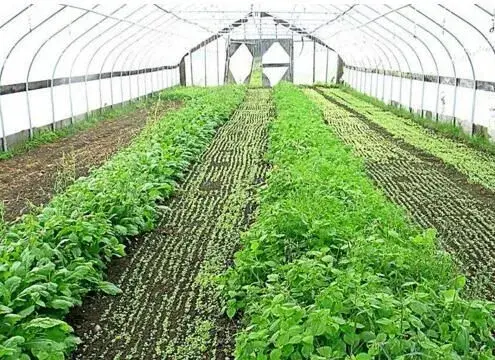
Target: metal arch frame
column 102, row 45
column 341, row 15
column 473, row 110
column 405, row 42
column 434, row 62
column 454, row 68
column 13, row 47
column 363, row 25
column 145, row 56
column 15, row 16
column 105, row 43
column 394, row 45
column 34, row 58
column 388, row 59
column 87, row 44
column 124, row 63
column 160, row 17
column 167, row 20
column 66, row 48
column 444, row 28
column 149, row 43
column 2, row 127
column 149, row 58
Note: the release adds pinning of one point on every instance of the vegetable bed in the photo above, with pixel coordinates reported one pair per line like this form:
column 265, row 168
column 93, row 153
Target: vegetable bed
column 332, row 270
column 477, row 165
column 51, row 260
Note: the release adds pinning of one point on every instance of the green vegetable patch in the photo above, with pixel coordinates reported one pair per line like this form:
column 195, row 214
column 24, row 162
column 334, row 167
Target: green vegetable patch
column 332, row 270
column 49, row 261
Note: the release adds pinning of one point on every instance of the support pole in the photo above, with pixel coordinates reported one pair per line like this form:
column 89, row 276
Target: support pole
column 218, row 65
column 326, row 69
column 314, row 61
column 191, row 68
column 206, row 69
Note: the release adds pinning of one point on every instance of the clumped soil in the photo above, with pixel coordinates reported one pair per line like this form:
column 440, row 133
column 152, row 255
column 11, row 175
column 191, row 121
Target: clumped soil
column 170, row 307
column 435, row 194
column 31, row 178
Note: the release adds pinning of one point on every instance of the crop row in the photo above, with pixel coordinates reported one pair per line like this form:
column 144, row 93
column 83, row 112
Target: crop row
column 332, row 270
column 477, row 165
column 170, row 307
column 49, row 261
column 431, row 194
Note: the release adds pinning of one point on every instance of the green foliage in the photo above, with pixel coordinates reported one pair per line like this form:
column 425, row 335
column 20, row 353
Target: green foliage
column 50, row 260
column 332, row 270
column 256, row 79
column 475, row 164
column 446, row 129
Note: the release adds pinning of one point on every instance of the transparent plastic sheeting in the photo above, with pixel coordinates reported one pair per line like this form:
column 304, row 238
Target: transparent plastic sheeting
column 60, row 61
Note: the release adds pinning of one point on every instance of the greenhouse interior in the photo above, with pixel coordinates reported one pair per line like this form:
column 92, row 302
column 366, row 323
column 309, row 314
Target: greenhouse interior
column 247, row 180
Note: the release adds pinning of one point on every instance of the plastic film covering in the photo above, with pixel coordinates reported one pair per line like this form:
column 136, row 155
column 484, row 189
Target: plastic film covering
column 60, row 62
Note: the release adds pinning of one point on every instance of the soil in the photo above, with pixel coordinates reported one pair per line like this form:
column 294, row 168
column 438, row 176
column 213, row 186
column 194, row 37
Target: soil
column 434, row 193
column 30, row 179
column 169, row 307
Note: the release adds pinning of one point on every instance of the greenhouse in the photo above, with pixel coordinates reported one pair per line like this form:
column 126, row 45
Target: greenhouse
column 247, row 180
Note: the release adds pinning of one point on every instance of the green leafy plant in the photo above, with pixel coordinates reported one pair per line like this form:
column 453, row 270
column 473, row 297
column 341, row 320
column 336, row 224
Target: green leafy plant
column 438, row 139
column 332, row 270
column 50, row 260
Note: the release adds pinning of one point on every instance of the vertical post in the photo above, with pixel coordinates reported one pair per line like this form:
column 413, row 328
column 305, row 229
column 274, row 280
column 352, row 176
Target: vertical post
column 292, row 56
column 53, row 104
column 218, row 64
column 111, row 89
column 400, row 89
column 227, row 60
column 4, row 137
column 363, row 82
column 410, row 93
column 314, row 61
column 473, row 108
column 206, row 69
column 29, row 111
column 163, row 79
column 191, row 68
column 326, row 69
column 376, row 85
column 71, row 101
column 454, row 105
column 438, row 96
column 383, row 85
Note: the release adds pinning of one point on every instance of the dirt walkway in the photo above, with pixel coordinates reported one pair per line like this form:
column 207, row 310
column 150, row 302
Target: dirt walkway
column 434, row 194
column 169, row 308
column 34, row 176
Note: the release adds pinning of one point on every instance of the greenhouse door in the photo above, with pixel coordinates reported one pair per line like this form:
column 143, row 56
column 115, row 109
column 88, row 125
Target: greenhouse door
column 259, row 62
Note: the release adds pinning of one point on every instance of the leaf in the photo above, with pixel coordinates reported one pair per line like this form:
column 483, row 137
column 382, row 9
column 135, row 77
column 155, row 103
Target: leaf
column 46, row 323
column 109, row 288
column 5, row 310
column 231, row 310
column 276, row 354
column 325, row 351
column 461, row 343
column 460, row 282
column 363, row 356
column 61, row 304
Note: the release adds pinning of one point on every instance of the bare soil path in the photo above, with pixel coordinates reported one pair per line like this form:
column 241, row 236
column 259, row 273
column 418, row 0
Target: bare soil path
column 169, row 308
column 32, row 178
